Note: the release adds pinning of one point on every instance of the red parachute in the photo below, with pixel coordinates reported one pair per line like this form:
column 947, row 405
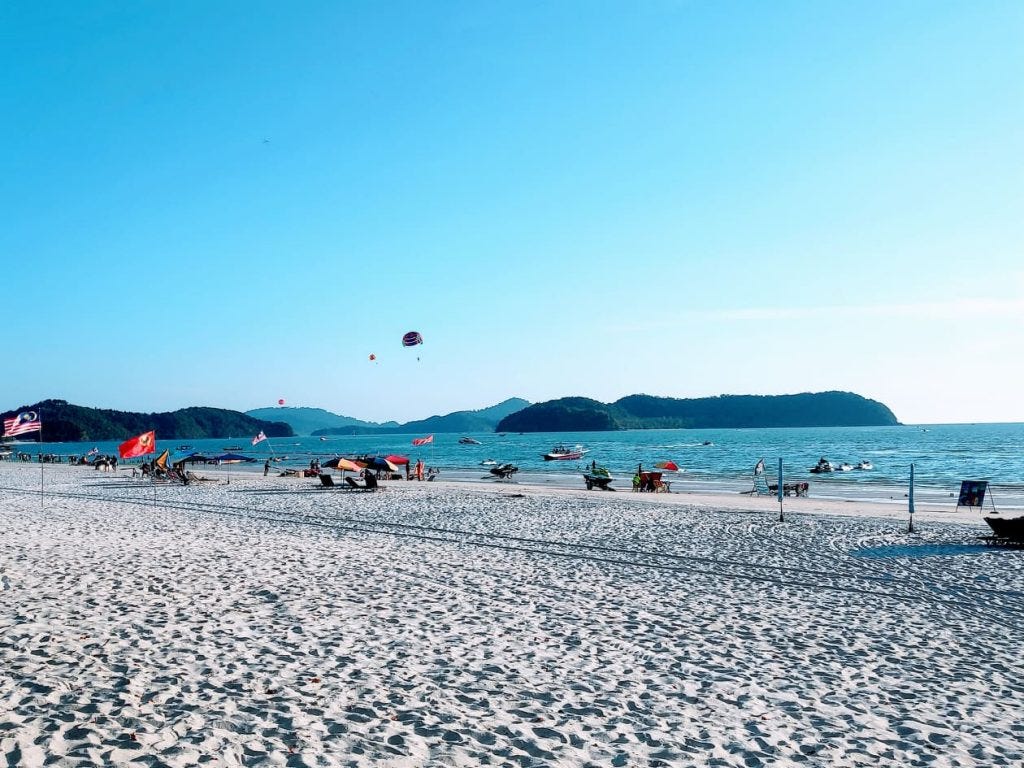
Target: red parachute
column 281, row 401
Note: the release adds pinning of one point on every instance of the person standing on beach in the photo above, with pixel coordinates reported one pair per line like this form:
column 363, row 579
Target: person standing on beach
column 419, row 469
column 266, row 467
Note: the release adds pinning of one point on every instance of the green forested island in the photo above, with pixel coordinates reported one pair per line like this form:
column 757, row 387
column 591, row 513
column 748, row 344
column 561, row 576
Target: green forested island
column 64, row 422
column 810, row 409
column 482, row 420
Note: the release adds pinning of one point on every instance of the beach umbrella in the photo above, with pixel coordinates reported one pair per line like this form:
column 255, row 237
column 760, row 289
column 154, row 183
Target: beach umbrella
column 398, row 460
column 231, row 458
column 378, row 462
column 669, row 466
column 345, row 465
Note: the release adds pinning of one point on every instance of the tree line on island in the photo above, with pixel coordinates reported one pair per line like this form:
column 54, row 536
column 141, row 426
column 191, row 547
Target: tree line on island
column 810, row 409
column 65, row 422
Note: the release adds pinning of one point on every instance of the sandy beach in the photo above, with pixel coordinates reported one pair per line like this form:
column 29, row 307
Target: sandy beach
column 266, row 622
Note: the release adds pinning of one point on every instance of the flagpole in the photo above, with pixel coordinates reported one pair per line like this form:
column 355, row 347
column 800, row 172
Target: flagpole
column 42, row 471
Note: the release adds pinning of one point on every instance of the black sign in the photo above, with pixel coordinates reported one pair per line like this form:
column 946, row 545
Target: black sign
column 972, row 493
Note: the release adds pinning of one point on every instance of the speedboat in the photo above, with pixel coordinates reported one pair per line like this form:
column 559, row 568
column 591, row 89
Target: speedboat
column 184, row 448
column 865, row 465
column 823, row 466
column 469, row 441
column 561, row 453
column 488, row 463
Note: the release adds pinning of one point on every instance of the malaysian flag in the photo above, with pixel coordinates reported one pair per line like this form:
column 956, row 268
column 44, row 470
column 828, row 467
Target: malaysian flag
column 423, row 440
column 28, row 421
column 259, row 438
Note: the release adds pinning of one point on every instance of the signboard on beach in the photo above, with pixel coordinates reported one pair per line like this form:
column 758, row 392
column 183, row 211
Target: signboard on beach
column 972, row 493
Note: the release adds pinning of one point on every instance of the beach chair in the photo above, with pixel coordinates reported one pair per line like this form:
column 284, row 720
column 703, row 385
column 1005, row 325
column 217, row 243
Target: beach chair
column 326, row 481
column 370, row 484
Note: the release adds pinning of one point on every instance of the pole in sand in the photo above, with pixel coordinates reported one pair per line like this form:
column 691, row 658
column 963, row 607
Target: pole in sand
column 42, row 464
column 910, row 496
column 782, row 517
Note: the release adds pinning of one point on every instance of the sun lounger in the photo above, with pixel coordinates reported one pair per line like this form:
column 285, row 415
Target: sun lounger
column 370, row 484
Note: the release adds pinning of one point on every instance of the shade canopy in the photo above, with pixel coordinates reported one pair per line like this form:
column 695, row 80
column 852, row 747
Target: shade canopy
column 232, row 458
column 345, row 465
column 669, row 466
column 378, row 462
column 398, row 460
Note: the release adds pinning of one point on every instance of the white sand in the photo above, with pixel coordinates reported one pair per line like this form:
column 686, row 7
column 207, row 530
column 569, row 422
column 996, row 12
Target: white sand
column 446, row 624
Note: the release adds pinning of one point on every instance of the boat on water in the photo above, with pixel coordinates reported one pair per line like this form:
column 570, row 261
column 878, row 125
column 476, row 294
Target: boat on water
column 844, row 467
column 488, row 463
column 865, row 465
column 323, row 439
column 469, row 441
column 823, row 466
column 561, row 453
column 184, row 448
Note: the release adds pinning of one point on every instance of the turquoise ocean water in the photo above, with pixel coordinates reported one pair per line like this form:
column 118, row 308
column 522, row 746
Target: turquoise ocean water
column 943, row 455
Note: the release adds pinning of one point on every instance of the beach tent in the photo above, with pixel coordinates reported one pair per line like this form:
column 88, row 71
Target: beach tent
column 231, row 458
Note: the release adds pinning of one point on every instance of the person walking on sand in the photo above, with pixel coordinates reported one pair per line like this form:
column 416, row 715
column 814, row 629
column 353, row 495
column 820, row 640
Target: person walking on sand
column 266, row 467
column 419, row 469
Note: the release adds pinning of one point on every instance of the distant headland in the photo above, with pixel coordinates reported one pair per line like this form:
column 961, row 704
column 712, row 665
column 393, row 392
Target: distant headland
column 809, row 409
column 64, row 422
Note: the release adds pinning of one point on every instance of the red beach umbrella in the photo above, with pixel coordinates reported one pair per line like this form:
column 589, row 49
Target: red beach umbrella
column 398, row 460
column 669, row 466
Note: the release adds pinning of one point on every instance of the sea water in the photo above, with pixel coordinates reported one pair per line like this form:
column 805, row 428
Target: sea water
column 710, row 459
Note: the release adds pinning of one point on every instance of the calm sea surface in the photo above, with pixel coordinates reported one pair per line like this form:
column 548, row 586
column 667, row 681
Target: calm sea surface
column 942, row 454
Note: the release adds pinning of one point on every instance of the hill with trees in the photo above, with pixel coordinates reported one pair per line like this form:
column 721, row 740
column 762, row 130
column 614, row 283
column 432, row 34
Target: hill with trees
column 64, row 422
column 809, row 409
column 482, row 420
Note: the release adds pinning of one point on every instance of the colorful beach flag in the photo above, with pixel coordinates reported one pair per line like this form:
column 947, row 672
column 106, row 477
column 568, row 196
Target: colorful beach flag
column 92, row 451
column 259, row 438
column 423, row 440
column 139, row 445
column 28, row 421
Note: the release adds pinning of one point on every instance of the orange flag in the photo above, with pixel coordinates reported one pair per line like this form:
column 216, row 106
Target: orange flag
column 138, row 446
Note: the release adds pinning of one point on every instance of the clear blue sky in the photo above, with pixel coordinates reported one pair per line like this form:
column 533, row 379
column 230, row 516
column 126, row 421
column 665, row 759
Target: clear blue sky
column 224, row 204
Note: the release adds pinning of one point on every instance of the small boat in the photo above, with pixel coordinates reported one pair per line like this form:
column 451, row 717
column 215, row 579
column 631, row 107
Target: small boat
column 707, row 442
column 323, row 439
column 844, row 467
column 469, row 441
column 488, row 463
column 561, row 453
column 865, row 465
column 823, row 466
column 187, row 448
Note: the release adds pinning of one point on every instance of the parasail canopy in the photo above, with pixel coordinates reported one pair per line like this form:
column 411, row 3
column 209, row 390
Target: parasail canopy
column 411, row 339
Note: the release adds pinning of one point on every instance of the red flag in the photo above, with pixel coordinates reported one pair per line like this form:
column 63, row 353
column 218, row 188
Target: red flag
column 138, row 446
column 423, row 440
